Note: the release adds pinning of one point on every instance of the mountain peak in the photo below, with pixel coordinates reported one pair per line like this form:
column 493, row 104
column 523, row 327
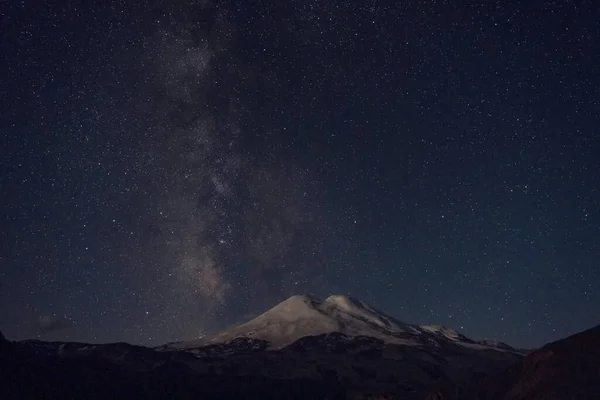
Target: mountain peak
column 304, row 315
column 343, row 301
column 300, row 299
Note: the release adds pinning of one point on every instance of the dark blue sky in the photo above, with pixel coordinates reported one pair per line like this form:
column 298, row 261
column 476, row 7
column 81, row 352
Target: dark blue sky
column 169, row 170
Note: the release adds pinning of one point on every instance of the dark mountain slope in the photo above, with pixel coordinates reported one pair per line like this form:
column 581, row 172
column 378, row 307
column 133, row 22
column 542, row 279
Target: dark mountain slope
column 565, row 369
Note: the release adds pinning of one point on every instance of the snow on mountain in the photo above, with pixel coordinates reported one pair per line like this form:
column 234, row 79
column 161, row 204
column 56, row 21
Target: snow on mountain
column 302, row 315
column 445, row 331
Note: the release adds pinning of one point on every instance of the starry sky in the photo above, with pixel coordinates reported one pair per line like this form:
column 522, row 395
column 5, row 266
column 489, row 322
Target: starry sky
column 168, row 169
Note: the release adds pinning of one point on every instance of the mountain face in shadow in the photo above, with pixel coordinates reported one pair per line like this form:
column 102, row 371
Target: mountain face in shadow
column 565, row 369
column 121, row 371
column 328, row 366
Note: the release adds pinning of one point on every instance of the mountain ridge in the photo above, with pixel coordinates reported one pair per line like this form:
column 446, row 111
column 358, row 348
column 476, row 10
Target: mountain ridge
column 433, row 363
column 566, row 368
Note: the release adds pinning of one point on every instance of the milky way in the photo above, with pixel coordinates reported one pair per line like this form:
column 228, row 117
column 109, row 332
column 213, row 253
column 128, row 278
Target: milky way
column 230, row 223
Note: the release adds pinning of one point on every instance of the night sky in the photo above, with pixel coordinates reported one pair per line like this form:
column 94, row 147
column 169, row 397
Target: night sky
column 170, row 169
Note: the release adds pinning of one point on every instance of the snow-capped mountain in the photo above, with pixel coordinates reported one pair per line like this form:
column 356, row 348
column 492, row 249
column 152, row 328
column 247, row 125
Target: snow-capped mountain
column 327, row 366
column 302, row 315
column 344, row 340
column 334, row 348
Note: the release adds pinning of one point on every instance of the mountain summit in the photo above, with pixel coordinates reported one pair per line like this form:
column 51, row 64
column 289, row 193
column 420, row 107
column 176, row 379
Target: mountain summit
column 302, row 315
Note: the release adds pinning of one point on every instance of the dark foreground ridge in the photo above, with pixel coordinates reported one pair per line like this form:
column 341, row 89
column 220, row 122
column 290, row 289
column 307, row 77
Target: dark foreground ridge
column 329, row 366
column 566, row 369
column 120, row 371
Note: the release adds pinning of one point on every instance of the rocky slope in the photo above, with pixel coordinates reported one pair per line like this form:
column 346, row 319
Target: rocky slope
column 38, row 370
